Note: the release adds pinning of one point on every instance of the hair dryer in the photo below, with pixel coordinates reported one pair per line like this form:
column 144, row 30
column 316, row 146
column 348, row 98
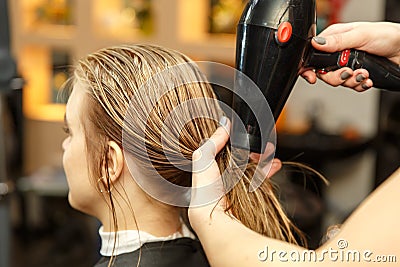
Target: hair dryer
column 273, row 45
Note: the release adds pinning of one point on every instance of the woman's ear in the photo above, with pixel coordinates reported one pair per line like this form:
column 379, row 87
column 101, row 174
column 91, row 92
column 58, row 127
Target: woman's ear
column 115, row 158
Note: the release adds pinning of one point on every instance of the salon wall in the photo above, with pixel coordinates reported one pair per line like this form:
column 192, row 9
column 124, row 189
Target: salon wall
column 351, row 178
column 42, row 147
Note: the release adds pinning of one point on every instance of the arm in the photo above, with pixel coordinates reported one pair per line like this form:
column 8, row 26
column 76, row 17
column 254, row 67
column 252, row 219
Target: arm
column 374, row 224
column 379, row 38
column 228, row 243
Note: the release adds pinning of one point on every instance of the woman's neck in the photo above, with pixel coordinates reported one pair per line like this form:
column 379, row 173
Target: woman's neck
column 135, row 210
column 156, row 219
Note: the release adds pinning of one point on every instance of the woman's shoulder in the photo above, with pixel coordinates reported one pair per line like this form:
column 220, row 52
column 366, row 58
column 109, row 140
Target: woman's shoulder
column 177, row 252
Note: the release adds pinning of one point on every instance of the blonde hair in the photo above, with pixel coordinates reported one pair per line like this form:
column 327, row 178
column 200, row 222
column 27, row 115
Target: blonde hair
column 115, row 77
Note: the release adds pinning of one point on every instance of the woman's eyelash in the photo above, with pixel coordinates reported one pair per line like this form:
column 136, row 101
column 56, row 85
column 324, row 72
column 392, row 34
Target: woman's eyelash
column 66, row 129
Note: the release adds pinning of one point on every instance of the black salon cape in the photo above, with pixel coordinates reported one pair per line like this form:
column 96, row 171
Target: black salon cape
column 178, row 252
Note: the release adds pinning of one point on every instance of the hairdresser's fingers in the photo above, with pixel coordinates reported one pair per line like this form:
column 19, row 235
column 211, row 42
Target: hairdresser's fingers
column 207, row 185
column 268, row 169
column 271, row 169
column 365, row 85
column 358, row 81
column 336, row 78
column 337, row 39
column 357, row 78
column 276, row 166
column 204, row 156
column 309, row 76
column 268, row 152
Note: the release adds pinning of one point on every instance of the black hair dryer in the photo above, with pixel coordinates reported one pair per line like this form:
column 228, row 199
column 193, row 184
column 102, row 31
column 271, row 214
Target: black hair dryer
column 273, row 45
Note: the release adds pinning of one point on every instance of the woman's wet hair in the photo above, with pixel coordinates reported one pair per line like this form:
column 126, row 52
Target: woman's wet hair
column 116, row 80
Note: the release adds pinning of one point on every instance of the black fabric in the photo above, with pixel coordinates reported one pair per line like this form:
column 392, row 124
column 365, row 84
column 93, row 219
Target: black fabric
column 178, row 252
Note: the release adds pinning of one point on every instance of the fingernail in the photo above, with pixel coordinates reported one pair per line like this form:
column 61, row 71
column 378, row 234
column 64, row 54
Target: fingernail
column 360, row 77
column 320, row 40
column 275, row 164
column 223, row 121
column 365, row 86
column 345, row 75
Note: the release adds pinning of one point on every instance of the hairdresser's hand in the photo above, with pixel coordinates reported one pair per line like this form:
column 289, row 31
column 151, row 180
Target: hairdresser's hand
column 271, row 167
column 379, row 38
column 206, row 172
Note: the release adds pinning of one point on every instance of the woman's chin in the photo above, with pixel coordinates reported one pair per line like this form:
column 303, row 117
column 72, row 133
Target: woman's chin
column 82, row 206
column 75, row 204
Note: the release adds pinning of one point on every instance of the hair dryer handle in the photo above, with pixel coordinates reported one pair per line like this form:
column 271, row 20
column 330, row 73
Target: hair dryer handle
column 384, row 73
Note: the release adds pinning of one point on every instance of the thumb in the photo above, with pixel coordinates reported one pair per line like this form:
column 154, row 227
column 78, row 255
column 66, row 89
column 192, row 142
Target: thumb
column 338, row 41
column 207, row 186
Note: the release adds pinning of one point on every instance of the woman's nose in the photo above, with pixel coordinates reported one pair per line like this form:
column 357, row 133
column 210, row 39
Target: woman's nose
column 64, row 144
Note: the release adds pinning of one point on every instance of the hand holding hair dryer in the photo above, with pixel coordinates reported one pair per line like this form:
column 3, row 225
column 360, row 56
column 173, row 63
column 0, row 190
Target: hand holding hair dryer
column 273, row 45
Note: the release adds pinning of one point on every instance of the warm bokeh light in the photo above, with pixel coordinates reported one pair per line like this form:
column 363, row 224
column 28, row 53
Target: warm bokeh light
column 35, row 66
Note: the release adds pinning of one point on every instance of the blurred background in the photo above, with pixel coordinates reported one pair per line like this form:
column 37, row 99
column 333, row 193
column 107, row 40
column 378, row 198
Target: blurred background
column 352, row 138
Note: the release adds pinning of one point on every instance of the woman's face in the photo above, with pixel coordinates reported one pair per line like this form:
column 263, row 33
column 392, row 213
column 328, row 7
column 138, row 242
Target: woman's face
column 82, row 192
